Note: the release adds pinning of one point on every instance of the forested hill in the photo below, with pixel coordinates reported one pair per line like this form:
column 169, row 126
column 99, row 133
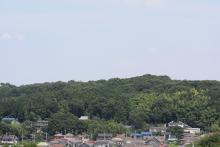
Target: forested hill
column 134, row 101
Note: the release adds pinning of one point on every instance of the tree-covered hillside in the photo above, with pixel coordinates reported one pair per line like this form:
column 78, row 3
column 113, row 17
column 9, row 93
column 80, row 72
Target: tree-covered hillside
column 137, row 101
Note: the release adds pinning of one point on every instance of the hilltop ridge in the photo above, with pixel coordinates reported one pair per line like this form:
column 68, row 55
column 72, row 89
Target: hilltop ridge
column 135, row 101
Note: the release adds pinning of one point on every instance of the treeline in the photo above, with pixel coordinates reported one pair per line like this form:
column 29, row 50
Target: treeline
column 138, row 101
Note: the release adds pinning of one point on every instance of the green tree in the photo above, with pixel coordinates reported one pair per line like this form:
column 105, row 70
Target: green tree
column 210, row 141
column 176, row 131
column 215, row 128
column 63, row 123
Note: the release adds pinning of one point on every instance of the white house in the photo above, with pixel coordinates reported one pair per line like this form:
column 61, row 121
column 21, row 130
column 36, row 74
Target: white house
column 192, row 130
column 178, row 124
column 84, row 118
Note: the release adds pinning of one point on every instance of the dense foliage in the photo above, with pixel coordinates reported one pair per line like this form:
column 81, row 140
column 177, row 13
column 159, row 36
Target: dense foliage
column 209, row 141
column 137, row 101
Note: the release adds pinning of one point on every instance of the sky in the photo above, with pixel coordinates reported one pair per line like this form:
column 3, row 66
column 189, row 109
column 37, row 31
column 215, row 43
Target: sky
column 82, row 40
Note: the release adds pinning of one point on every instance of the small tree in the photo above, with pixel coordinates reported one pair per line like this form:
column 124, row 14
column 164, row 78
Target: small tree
column 210, row 141
column 176, row 131
column 215, row 128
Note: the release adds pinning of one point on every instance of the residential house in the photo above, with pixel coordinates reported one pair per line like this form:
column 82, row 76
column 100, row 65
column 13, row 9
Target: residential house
column 103, row 143
column 84, row 118
column 136, row 135
column 75, row 143
column 65, row 142
column 87, row 144
column 9, row 139
column 104, row 136
column 145, row 135
column 68, row 135
column 120, row 136
column 172, row 138
column 142, row 135
column 189, row 138
column 118, row 141
column 153, row 142
column 57, row 143
column 178, row 124
column 134, row 143
column 58, row 136
column 156, row 130
column 192, row 130
column 118, row 144
column 190, row 134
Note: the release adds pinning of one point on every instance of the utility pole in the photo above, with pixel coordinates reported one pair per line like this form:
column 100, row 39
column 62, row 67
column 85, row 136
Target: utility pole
column 46, row 136
column 126, row 135
column 22, row 140
column 34, row 138
column 135, row 135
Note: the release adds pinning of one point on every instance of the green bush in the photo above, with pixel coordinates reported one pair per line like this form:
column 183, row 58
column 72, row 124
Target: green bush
column 210, row 141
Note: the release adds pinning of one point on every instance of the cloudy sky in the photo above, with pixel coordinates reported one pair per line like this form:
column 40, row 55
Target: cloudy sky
column 51, row 40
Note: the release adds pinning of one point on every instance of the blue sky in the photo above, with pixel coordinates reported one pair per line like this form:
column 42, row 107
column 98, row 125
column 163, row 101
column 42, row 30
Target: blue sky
column 51, row 40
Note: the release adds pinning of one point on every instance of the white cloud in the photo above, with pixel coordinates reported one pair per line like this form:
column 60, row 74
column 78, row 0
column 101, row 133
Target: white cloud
column 19, row 36
column 11, row 36
column 146, row 3
column 6, row 36
column 132, row 3
column 153, row 50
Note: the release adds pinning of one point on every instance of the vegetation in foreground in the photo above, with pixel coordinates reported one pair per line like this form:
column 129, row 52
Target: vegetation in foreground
column 212, row 140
